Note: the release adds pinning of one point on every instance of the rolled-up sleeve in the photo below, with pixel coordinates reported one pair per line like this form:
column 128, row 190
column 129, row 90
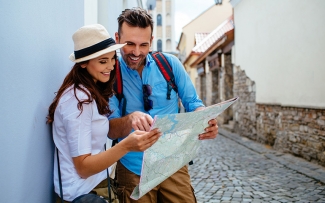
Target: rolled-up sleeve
column 186, row 89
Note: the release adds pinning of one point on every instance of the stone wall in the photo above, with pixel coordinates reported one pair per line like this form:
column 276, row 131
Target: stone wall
column 198, row 86
column 228, row 86
column 245, row 108
column 203, row 88
column 299, row 131
column 208, row 88
column 229, row 77
column 215, row 86
column 267, row 123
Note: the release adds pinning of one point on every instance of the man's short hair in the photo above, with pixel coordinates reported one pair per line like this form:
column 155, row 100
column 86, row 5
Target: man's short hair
column 135, row 17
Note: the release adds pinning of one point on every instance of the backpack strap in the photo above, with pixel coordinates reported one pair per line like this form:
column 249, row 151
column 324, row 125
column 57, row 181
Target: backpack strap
column 118, row 87
column 166, row 70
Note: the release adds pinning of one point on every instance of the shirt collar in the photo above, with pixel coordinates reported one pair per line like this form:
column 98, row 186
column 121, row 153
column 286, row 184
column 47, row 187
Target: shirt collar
column 149, row 60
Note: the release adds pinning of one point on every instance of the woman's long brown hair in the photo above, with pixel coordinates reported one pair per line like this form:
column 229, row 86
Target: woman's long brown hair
column 100, row 92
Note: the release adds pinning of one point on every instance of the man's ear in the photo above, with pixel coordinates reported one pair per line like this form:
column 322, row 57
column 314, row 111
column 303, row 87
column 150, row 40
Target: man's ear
column 151, row 39
column 116, row 37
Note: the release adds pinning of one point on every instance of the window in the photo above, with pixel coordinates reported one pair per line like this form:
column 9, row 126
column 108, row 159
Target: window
column 159, row 45
column 159, row 20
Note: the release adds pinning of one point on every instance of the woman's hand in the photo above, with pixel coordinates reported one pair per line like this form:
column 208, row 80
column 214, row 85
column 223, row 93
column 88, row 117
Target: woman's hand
column 141, row 140
column 87, row 165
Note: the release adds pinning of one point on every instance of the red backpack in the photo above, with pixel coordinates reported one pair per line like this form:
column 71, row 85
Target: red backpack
column 165, row 69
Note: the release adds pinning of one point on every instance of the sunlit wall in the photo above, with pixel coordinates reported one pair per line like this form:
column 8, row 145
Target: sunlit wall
column 35, row 41
column 280, row 45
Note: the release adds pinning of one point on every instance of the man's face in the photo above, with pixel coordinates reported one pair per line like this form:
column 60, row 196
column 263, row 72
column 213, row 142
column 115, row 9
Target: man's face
column 138, row 41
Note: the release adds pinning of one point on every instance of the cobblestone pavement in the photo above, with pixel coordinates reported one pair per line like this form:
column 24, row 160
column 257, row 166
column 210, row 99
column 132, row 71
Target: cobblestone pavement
column 233, row 169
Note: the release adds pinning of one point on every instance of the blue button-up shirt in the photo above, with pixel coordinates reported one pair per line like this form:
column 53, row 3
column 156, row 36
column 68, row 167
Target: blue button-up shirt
column 132, row 90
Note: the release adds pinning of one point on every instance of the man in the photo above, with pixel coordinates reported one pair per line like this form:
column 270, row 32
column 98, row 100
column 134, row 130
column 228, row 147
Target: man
column 142, row 81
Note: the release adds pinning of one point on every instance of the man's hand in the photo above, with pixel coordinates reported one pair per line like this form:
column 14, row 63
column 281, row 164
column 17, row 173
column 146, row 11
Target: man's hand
column 140, row 121
column 122, row 127
column 211, row 131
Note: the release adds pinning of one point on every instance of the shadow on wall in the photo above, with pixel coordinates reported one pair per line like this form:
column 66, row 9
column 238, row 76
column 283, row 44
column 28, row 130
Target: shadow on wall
column 39, row 141
column 37, row 43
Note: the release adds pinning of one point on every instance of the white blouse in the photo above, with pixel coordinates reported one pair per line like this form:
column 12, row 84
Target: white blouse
column 75, row 134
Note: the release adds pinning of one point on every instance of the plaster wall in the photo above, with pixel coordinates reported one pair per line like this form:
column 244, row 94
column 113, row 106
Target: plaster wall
column 280, row 46
column 35, row 45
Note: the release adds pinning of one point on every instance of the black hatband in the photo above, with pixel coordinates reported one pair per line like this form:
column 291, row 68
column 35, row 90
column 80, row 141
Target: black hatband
column 94, row 48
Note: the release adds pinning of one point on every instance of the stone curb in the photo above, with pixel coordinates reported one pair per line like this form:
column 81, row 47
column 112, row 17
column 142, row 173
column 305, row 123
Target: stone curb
column 300, row 165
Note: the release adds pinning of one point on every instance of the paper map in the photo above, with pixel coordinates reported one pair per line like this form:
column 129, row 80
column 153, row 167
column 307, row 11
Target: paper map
column 177, row 146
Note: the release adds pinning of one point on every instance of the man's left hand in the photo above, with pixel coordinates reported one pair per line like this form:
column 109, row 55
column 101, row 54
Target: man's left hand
column 211, row 131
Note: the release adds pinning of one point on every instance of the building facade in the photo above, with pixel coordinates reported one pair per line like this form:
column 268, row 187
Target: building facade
column 279, row 75
column 272, row 60
column 214, row 68
column 163, row 14
column 201, row 24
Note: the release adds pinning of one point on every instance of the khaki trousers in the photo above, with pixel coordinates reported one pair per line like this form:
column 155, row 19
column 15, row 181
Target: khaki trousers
column 175, row 189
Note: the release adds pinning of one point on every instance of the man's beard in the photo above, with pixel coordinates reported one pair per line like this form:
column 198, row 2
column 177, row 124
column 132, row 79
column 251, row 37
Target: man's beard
column 133, row 65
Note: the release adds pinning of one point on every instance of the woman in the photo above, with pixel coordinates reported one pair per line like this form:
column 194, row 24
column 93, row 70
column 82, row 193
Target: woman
column 79, row 116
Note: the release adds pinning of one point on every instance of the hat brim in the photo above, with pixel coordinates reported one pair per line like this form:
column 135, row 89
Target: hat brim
column 96, row 54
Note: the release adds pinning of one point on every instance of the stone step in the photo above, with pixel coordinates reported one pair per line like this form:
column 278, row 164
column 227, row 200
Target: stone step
column 229, row 126
column 231, row 123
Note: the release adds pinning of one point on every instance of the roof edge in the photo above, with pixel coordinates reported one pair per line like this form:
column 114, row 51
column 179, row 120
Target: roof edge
column 179, row 41
column 225, row 22
column 190, row 55
column 215, row 45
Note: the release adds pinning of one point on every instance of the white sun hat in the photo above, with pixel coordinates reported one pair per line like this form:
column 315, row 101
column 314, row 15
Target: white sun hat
column 91, row 41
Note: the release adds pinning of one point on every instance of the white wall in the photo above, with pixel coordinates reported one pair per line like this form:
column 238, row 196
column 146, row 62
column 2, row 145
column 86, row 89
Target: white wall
column 90, row 13
column 35, row 45
column 280, row 45
column 106, row 12
column 173, row 39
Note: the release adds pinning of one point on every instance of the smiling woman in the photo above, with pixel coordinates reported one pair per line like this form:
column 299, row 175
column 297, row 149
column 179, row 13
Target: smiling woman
column 100, row 68
column 78, row 116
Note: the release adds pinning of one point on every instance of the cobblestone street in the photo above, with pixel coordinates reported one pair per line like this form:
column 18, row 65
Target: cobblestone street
column 235, row 169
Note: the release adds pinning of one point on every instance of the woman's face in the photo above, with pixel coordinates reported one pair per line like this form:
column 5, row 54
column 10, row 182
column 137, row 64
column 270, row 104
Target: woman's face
column 100, row 68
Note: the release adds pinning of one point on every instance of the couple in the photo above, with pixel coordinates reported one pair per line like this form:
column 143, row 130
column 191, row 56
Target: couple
column 80, row 110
